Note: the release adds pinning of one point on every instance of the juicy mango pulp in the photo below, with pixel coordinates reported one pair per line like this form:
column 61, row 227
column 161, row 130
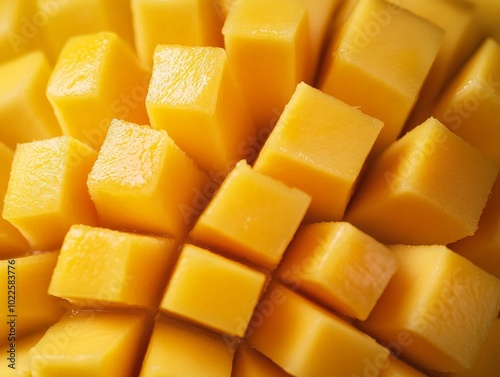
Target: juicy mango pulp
column 19, row 21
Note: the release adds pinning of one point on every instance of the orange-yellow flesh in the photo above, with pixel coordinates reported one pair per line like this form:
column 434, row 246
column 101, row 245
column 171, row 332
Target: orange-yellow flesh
column 213, row 291
column 97, row 264
column 319, row 145
column 434, row 293
column 429, row 187
column 141, row 181
column 16, row 361
column 249, row 362
column 267, row 216
column 397, row 368
column 47, row 192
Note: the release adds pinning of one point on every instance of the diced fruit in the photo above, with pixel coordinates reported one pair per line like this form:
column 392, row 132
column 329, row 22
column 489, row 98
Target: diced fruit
column 379, row 62
column 250, row 363
column 397, row 368
column 25, row 113
column 47, row 192
column 27, row 305
column 268, row 44
column 429, row 187
column 184, row 350
column 174, row 22
column 306, row 340
column 338, row 265
column 143, row 182
column 12, row 243
column 213, row 291
column 487, row 13
column 319, row 145
column 112, row 267
column 252, row 217
column 97, row 78
column 442, row 304
column 483, row 247
column 193, row 96
column 470, row 106
column 97, row 344
column 15, row 362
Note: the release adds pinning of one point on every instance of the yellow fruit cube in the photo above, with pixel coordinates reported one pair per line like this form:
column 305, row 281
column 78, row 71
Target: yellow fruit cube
column 429, row 187
column 25, row 113
column 252, row 217
column 213, row 291
column 483, row 247
column 268, row 46
column 397, row 368
column 27, row 305
column 16, row 362
column 250, row 363
column 98, row 344
column 12, row 243
column 338, row 265
column 195, row 99
column 175, row 22
column 143, row 182
column 305, row 340
column 47, row 192
column 97, row 78
column 472, row 101
column 319, row 145
column 182, row 350
column 380, row 61
column 112, row 267
column 442, row 303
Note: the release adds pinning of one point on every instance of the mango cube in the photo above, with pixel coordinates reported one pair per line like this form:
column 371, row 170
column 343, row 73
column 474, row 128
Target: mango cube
column 174, row 22
column 429, row 187
column 471, row 103
column 338, row 265
column 306, row 340
column 12, row 243
column 250, row 363
column 28, row 307
column 25, row 113
column 483, row 247
column 112, row 267
column 267, row 216
column 193, row 96
column 177, row 350
column 442, row 302
column 379, row 62
column 16, row 363
column 319, row 145
column 397, row 368
column 47, row 192
column 99, row 344
column 268, row 45
column 213, row 291
column 98, row 72
column 143, row 182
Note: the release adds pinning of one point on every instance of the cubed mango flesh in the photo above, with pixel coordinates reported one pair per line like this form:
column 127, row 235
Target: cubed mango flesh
column 380, row 60
column 268, row 45
column 339, row 265
column 27, row 305
column 12, row 243
column 213, row 291
column 177, row 349
column 16, row 363
column 252, row 217
column 442, row 302
column 306, row 340
column 47, row 192
column 93, row 343
column 429, row 187
column 111, row 267
column 319, row 145
column 174, row 22
column 97, row 78
column 249, row 362
column 193, row 96
column 141, row 181
column 397, row 368
column 470, row 106
column 25, row 113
